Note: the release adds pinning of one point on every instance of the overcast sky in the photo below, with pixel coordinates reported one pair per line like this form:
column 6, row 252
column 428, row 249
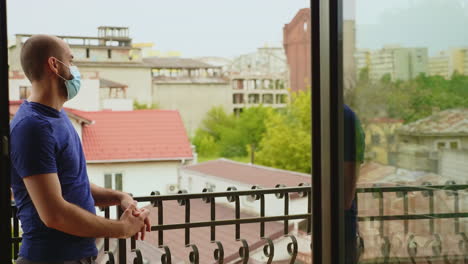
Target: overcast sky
column 232, row 27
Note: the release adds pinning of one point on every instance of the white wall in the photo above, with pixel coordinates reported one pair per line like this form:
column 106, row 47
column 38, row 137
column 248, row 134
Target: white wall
column 453, row 165
column 194, row 183
column 117, row 104
column 138, row 79
column 139, row 178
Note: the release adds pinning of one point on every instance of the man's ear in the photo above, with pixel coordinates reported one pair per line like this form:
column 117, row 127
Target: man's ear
column 52, row 64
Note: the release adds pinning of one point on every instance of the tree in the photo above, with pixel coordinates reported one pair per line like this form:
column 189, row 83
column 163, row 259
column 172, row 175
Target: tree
column 287, row 140
column 140, row 106
column 251, row 125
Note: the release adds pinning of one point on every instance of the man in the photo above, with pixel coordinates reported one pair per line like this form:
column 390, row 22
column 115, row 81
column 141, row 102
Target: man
column 354, row 144
column 55, row 200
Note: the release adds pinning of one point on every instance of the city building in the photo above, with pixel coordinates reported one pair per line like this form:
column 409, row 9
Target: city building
column 381, row 140
column 190, row 86
column 259, row 78
column 362, row 58
column 110, row 54
column 398, row 63
column 437, row 143
column 439, row 65
column 458, row 61
column 146, row 49
column 297, row 45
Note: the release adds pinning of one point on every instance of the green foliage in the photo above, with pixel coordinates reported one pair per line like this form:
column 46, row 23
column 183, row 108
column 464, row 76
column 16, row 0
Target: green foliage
column 277, row 138
column 230, row 136
column 287, row 141
column 407, row 100
column 140, row 106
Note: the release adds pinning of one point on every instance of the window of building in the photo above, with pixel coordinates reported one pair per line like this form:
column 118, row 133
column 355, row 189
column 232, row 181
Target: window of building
column 113, row 181
column 24, row 92
column 109, row 53
column 454, row 145
column 87, row 52
column 390, row 139
column 375, row 139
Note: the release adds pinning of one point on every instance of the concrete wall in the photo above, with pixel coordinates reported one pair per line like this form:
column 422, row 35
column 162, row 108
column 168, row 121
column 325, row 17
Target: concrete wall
column 192, row 100
column 453, row 165
column 139, row 178
column 117, row 104
column 101, row 54
column 139, row 80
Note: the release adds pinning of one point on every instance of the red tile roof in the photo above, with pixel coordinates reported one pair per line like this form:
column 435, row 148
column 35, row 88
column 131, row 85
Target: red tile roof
column 249, row 174
column 200, row 211
column 135, row 135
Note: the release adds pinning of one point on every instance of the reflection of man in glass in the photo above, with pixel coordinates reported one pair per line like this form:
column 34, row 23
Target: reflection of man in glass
column 354, row 145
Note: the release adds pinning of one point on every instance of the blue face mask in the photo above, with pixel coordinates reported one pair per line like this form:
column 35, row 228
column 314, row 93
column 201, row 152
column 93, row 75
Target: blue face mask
column 73, row 86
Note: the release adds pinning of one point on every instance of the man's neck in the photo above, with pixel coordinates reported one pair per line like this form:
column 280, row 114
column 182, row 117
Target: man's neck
column 48, row 94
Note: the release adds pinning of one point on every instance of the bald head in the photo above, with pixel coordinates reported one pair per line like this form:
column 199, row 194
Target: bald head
column 35, row 54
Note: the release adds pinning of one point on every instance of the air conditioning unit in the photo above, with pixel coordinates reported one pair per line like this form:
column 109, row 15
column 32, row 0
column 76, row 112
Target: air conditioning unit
column 172, row 188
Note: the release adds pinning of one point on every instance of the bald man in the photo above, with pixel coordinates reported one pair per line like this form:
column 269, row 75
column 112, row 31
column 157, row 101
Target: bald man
column 55, row 200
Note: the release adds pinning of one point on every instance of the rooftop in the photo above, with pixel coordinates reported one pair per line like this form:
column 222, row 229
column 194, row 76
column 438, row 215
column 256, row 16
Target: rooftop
column 105, row 83
column 177, row 63
column 450, row 122
column 139, row 135
column 249, row 174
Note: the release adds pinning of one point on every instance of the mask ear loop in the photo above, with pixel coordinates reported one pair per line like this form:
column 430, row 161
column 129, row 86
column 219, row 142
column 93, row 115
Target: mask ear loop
column 59, row 74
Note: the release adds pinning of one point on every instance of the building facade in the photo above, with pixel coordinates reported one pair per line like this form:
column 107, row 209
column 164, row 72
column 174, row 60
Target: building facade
column 110, row 54
column 297, row 45
column 189, row 86
column 422, row 144
column 398, row 63
column 259, row 78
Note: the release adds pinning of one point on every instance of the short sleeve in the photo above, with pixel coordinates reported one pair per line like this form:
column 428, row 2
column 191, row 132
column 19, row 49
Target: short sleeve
column 33, row 147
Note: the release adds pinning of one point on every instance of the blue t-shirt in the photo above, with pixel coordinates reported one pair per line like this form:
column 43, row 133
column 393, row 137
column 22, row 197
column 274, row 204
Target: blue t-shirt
column 43, row 140
column 354, row 145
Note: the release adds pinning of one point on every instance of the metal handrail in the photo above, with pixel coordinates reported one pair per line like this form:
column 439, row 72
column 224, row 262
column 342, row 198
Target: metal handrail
column 281, row 192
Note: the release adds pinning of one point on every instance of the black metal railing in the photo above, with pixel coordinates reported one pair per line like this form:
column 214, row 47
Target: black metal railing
column 233, row 196
column 408, row 242
column 411, row 244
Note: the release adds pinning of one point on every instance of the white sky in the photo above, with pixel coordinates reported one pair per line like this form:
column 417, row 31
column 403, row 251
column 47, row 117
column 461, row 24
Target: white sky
column 232, row 27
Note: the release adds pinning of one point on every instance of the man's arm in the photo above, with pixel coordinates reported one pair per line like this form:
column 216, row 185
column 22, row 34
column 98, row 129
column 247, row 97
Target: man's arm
column 108, row 197
column 351, row 173
column 46, row 193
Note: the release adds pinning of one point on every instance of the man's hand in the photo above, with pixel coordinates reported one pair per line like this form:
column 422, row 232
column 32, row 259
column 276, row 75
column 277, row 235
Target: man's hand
column 132, row 222
column 127, row 202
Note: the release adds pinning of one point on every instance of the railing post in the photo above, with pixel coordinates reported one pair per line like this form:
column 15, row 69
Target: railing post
column 122, row 242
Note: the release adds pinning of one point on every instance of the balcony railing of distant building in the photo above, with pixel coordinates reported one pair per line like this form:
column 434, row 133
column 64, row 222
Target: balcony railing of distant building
column 435, row 242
